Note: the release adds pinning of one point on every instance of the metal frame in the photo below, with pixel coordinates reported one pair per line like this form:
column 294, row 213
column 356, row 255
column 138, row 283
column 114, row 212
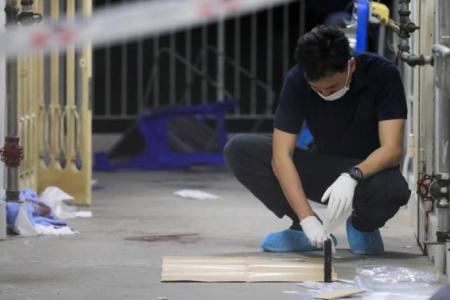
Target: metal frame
column 429, row 132
column 205, row 54
column 62, row 101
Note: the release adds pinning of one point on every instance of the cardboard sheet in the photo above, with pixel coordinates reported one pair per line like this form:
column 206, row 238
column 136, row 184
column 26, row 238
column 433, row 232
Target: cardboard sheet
column 340, row 293
column 241, row 269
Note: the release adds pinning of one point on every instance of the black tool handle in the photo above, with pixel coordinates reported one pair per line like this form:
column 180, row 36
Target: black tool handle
column 327, row 260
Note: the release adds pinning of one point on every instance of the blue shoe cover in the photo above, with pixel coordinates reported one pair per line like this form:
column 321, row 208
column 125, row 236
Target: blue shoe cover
column 288, row 240
column 363, row 243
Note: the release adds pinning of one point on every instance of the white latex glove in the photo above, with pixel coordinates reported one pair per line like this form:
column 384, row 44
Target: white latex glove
column 313, row 230
column 340, row 195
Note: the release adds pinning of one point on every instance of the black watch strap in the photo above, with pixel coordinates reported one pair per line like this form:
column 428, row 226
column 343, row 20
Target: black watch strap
column 356, row 174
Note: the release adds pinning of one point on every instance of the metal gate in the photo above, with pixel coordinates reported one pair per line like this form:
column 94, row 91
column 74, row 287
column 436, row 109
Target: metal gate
column 54, row 112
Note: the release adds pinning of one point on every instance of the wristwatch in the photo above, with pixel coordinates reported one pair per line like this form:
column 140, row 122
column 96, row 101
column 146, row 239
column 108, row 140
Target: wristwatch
column 356, row 174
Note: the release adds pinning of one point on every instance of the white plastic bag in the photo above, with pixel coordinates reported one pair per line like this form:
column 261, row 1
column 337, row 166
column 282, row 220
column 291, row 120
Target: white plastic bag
column 392, row 282
column 54, row 197
column 23, row 225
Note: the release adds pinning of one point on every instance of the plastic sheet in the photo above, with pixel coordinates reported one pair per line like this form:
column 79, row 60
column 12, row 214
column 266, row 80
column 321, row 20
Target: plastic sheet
column 35, row 216
column 311, row 289
column 379, row 282
column 382, row 278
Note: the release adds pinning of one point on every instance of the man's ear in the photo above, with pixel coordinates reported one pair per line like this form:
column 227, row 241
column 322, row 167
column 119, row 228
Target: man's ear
column 352, row 64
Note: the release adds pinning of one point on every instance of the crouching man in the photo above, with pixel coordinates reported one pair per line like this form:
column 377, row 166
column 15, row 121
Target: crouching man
column 355, row 107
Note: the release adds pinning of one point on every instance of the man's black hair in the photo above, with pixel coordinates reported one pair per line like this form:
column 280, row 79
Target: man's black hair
column 323, row 51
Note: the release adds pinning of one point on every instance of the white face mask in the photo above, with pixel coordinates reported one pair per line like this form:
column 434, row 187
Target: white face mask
column 340, row 93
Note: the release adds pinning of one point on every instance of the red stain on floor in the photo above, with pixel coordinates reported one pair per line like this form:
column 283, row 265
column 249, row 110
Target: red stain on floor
column 179, row 238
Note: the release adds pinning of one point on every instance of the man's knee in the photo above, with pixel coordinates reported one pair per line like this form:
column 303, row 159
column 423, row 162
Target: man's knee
column 369, row 218
column 249, row 154
column 378, row 199
column 234, row 149
column 386, row 188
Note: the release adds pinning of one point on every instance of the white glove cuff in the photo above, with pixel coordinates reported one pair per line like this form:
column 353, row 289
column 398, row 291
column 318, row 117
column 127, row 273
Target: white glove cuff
column 309, row 220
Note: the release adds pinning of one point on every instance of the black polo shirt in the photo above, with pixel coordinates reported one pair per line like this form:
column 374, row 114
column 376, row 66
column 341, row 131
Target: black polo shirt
column 347, row 127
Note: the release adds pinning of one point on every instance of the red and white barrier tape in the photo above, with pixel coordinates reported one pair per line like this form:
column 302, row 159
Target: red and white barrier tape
column 124, row 22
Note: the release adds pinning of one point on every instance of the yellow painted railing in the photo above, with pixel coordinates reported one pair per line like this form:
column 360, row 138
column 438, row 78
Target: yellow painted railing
column 55, row 112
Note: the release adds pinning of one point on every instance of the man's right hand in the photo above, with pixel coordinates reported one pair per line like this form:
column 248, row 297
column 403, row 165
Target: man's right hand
column 313, row 230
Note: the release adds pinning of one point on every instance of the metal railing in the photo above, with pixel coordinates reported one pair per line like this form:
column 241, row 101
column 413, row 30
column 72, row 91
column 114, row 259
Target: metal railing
column 54, row 116
column 243, row 58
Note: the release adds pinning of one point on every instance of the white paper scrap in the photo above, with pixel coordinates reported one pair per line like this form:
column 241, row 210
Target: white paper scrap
column 195, row 194
column 83, row 214
column 50, row 230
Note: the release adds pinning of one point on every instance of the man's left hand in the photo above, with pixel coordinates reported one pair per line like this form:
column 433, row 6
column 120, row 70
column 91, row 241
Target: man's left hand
column 340, row 195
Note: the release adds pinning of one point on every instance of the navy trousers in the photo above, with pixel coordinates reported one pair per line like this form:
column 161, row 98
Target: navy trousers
column 376, row 199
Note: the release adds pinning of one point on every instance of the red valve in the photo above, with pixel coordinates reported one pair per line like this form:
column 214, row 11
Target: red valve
column 12, row 152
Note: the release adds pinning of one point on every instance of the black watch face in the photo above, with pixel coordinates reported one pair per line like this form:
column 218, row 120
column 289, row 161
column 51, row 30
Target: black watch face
column 356, row 174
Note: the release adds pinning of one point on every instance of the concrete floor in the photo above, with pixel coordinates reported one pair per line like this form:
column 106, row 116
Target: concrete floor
column 105, row 262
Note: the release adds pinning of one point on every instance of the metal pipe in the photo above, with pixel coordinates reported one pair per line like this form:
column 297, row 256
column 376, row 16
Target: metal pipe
column 12, row 138
column 406, row 26
column 362, row 13
column 124, row 79
column 27, row 10
column 188, row 72
column 416, row 60
column 140, row 75
column 27, row 16
column 108, row 74
column 220, row 59
column 204, row 88
column 11, row 153
column 237, row 58
column 442, row 133
column 12, row 13
column 27, row 5
column 404, row 19
column 442, row 111
column 172, row 70
column 269, row 78
column 11, row 92
column 381, row 39
column 443, row 9
column 253, row 61
column 157, row 81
